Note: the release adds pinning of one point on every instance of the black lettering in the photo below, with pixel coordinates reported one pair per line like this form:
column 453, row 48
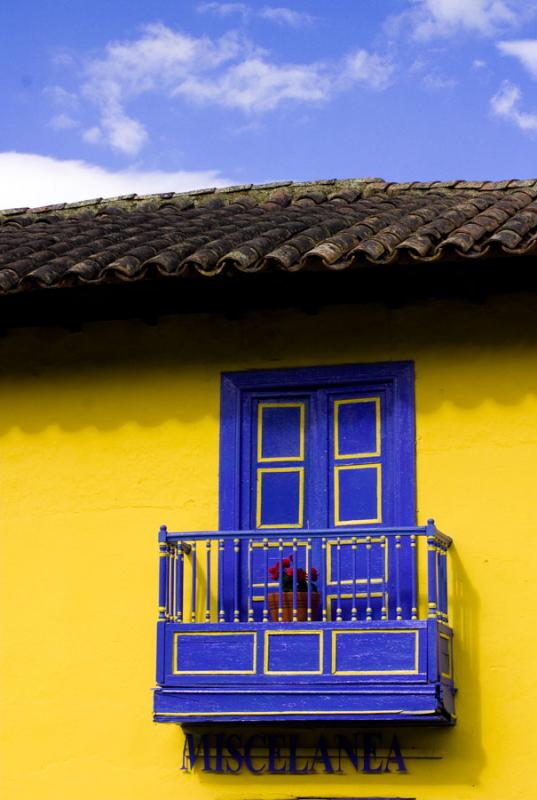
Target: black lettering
column 274, row 743
column 395, row 754
column 218, row 762
column 234, row 752
column 321, row 754
column 343, row 744
column 191, row 752
column 249, row 744
column 370, row 752
column 293, row 747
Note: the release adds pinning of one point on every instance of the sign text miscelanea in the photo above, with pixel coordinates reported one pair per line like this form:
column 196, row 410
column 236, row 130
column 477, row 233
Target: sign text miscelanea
column 262, row 753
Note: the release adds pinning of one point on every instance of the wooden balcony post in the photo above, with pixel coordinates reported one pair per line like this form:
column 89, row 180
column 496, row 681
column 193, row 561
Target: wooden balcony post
column 236, row 579
column 384, row 609
column 369, row 610
column 250, row 582
column 295, row 577
column 354, row 555
column 266, row 569
column 398, row 610
column 339, row 611
column 324, row 580
column 163, row 573
column 179, row 571
column 308, row 578
column 413, row 578
column 432, row 570
column 280, row 581
column 221, row 610
column 194, row 583
column 208, row 581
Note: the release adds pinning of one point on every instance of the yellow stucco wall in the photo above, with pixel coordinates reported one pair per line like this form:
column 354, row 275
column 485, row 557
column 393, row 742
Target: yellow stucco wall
column 108, row 433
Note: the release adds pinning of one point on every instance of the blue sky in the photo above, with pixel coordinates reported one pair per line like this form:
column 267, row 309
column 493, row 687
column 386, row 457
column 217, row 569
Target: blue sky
column 112, row 97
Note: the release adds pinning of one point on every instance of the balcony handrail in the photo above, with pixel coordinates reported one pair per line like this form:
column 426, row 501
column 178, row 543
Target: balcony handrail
column 315, row 533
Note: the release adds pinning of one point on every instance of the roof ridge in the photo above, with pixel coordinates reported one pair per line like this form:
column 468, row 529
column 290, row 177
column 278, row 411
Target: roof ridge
column 238, row 189
column 372, row 184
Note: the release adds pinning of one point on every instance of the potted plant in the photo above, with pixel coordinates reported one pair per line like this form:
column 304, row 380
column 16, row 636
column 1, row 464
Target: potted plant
column 302, row 578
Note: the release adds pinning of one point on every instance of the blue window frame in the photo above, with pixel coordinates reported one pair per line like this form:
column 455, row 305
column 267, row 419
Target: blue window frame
column 322, row 447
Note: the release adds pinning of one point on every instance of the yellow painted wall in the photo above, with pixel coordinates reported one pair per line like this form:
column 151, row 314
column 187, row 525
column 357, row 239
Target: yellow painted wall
column 108, row 433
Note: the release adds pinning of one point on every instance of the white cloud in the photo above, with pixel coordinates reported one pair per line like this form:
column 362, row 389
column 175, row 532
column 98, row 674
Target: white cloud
column 62, row 122
column 506, row 103
column 93, row 135
column 367, row 68
column 435, row 82
column 229, row 71
column 61, row 97
column 445, row 16
column 155, row 62
column 63, row 58
column 257, row 85
column 33, row 180
column 286, row 16
column 278, row 14
column 523, row 49
column 478, row 63
column 223, row 9
column 428, row 19
column 120, row 131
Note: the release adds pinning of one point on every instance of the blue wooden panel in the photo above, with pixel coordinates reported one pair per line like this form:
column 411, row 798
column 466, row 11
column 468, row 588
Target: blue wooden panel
column 280, row 497
column 357, row 494
column 280, row 434
column 378, row 652
column 357, row 427
column 214, row 653
column 296, row 652
column 445, row 656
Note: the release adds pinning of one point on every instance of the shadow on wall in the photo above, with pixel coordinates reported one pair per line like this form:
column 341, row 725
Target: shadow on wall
column 119, row 372
column 454, row 756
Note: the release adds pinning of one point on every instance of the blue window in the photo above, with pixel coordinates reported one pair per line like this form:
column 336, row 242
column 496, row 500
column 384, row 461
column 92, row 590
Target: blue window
column 326, row 447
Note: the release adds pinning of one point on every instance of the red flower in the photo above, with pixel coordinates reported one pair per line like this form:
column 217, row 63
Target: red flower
column 290, row 577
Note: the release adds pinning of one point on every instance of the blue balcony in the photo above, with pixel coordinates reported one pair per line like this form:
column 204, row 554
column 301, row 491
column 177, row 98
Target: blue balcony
column 367, row 638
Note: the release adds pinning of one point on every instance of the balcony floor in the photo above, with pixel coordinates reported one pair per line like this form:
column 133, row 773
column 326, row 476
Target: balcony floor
column 375, row 671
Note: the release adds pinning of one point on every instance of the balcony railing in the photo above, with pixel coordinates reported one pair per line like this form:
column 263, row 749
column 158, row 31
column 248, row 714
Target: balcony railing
column 228, row 618
column 224, row 577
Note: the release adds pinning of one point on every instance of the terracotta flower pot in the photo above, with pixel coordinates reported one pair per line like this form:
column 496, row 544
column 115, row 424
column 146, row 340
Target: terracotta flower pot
column 287, row 606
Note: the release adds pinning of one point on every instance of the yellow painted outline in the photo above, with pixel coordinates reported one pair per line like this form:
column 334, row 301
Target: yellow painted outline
column 260, row 408
column 359, row 540
column 332, row 598
column 279, row 713
column 337, row 404
column 448, row 675
column 276, row 544
column 268, row 634
column 414, row 671
column 339, row 468
column 212, row 671
column 260, row 473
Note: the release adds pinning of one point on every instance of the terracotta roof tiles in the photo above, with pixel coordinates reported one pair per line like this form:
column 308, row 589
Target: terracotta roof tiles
column 325, row 225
